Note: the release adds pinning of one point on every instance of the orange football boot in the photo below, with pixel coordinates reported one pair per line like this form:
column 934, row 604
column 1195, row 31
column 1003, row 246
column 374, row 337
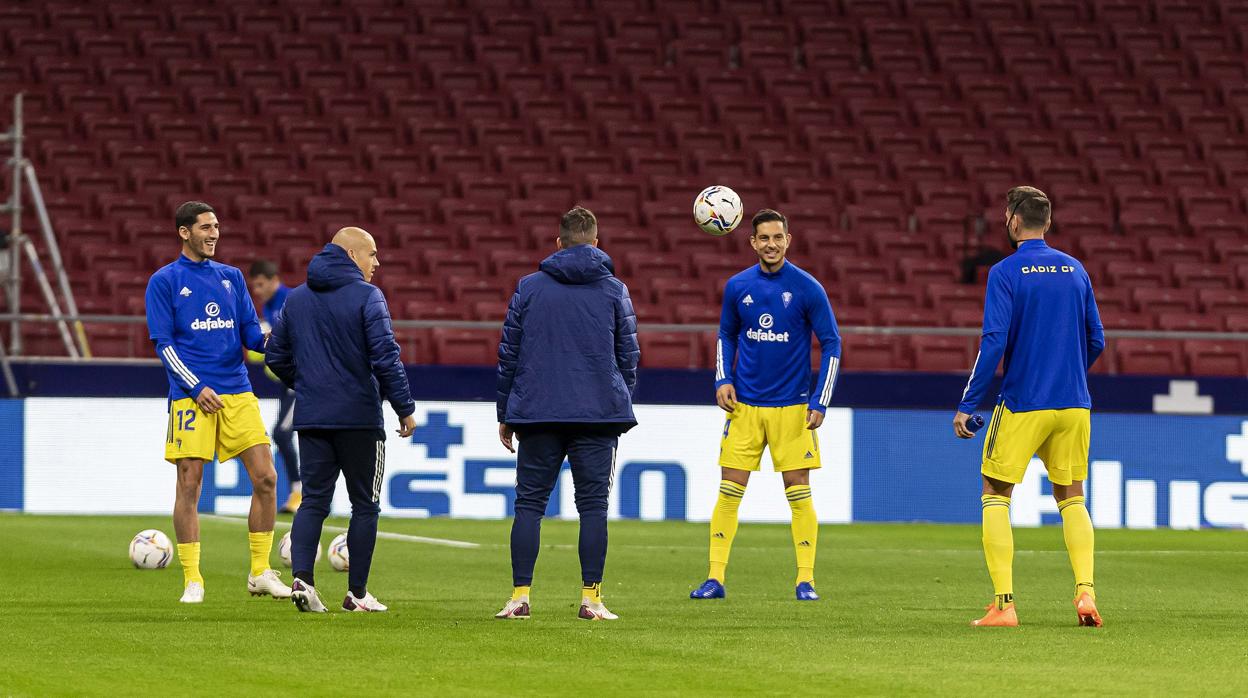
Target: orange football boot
column 998, row 618
column 1085, row 606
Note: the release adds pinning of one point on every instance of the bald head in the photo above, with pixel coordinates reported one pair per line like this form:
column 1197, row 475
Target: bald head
column 360, row 248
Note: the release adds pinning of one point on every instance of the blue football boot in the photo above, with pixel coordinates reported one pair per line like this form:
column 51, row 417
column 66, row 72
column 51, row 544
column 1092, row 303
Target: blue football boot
column 806, row 592
column 710, row 589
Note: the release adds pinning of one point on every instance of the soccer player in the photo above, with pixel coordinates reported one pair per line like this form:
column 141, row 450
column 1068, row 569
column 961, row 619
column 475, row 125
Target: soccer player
column 567, row 369
column 1040, row 315
column 334, row 346
column 264, row 282
column 762, row 380
column 200, row 317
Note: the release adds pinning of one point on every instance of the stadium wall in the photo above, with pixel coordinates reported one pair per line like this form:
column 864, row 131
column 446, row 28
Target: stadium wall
column 103, row 455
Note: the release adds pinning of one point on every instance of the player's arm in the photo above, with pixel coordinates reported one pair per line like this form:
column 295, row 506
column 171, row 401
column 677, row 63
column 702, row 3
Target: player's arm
column 383, row 355
column 726, row 351
column 823, row 322
column 159, row 301
column 998, row 310
column 627, row 350
column 508, row 360
column 1095, row 330
column 279, row 355
column 249, row 330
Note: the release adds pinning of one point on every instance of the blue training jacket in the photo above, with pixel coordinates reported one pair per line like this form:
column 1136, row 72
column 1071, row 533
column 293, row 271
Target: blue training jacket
column 334, row 346
column 200, row 316
column 273, row 306
column 765, row 326
column 569, row 348
column 1040, row 315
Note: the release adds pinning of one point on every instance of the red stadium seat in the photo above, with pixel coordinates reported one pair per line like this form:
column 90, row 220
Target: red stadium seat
column 872, row 353
column 670, row 350
column 943, row 354
column 465, row 347
column 1149, row 357
column 1215, row 358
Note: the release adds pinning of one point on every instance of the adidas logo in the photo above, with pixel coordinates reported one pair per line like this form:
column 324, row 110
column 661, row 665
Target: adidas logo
column 809, row 454
column 804, row 544
column 747, row 300
column 719, row 535
column 184, row 292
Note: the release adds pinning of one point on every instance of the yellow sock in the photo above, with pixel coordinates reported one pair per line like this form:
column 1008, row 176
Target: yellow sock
column 805, row 530
column 724, row 526
column 999, row 547
column 188, row 555
column 261, row 545
column 520, row 593
column 593, row 592
column 1080, row 542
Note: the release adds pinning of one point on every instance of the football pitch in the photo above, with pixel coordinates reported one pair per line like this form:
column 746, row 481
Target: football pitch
column 79, row 619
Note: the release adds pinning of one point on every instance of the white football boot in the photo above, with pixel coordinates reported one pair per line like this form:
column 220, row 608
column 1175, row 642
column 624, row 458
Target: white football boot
column 306, row 599
column 367, row 604
column 193, row 593
column 516, row 609
column 268, row 583
column 594, row 610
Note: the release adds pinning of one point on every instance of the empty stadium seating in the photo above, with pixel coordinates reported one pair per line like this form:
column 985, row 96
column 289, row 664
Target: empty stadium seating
column 458, row 130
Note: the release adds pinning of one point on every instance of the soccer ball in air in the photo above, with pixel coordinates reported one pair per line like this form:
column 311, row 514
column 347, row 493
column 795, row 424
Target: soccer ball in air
column 339, row 558
column 717, row 210
column 151, row 550
column 283, row 549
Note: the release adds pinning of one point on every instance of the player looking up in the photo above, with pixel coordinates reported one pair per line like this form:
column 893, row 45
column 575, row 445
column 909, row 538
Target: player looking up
column 200, row 317
column 1040, row 315
column 268, row 288
column 762, row 380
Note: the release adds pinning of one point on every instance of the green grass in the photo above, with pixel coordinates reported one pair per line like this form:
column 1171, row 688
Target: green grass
column 78, row 619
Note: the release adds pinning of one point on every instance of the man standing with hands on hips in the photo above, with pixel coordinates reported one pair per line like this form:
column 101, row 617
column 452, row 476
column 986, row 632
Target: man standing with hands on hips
column 334, row 346
column 567, row 369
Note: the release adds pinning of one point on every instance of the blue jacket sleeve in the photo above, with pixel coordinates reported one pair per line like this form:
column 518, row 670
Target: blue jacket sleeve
column 1095, row 330
column 158, row 300
column 383, row 354
column 509, row 353
column 823, row 322
column 627, row 350
column 726, row 345
column 249, row 330
column 279, row 355
column 998, row 313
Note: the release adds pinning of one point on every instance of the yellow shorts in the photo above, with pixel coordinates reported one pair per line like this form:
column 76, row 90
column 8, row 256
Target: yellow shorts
column 224, row 435
column 781, row 429
column 1059, row 437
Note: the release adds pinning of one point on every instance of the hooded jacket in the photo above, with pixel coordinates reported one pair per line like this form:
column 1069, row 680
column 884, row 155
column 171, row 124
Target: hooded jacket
column 334, row 346
column 569, row 348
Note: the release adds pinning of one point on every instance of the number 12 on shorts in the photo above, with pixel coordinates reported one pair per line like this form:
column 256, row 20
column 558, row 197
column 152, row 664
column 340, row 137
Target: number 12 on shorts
column 189, row 417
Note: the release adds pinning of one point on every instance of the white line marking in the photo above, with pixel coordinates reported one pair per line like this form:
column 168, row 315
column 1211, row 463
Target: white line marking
column 447, row 542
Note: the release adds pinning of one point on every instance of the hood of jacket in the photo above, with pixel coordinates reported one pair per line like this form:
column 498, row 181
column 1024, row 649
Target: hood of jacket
column 582, row 264
column 332, row 268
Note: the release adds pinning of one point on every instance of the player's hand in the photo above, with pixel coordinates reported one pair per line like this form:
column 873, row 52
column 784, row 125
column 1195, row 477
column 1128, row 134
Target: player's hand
column 814, row 419
column 407, row 425
column 959, row 426
column 209, row 402
column 504, row 435
column 726, row 397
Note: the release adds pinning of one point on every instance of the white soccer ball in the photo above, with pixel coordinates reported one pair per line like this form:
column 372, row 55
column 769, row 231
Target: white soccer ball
column 151, row 550
column 717, row 210
column 283, row 549
column 339, row 558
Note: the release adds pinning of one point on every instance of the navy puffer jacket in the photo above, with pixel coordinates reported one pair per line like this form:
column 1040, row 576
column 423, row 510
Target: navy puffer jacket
column 334, row 346
column 569, row 350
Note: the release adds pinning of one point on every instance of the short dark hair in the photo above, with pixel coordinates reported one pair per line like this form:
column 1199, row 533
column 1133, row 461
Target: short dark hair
column 188, row 213
column 1030, row 205
column 768, row 215
column 262, row 267
column 578, row 227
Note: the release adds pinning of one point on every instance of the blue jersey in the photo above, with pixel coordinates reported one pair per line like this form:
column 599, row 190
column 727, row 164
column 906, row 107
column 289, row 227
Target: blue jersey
column 764, row 338
column 1040, row 316
column 200, row 316
column 273, row 306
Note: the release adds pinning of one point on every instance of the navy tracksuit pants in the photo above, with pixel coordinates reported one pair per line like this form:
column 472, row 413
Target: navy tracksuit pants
column 360, row 455
column 590, row 449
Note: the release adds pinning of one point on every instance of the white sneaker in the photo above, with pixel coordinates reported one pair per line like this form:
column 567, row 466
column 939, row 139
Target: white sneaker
column 194, row 593
column 367, row 604
column 516, row 609
column 306, row 599
column 268, row 583
column 591, row 610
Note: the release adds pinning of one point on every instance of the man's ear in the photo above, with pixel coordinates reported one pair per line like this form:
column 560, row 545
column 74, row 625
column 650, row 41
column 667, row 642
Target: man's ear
column 188, row 232
column 558, row 243
column 595, row 242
